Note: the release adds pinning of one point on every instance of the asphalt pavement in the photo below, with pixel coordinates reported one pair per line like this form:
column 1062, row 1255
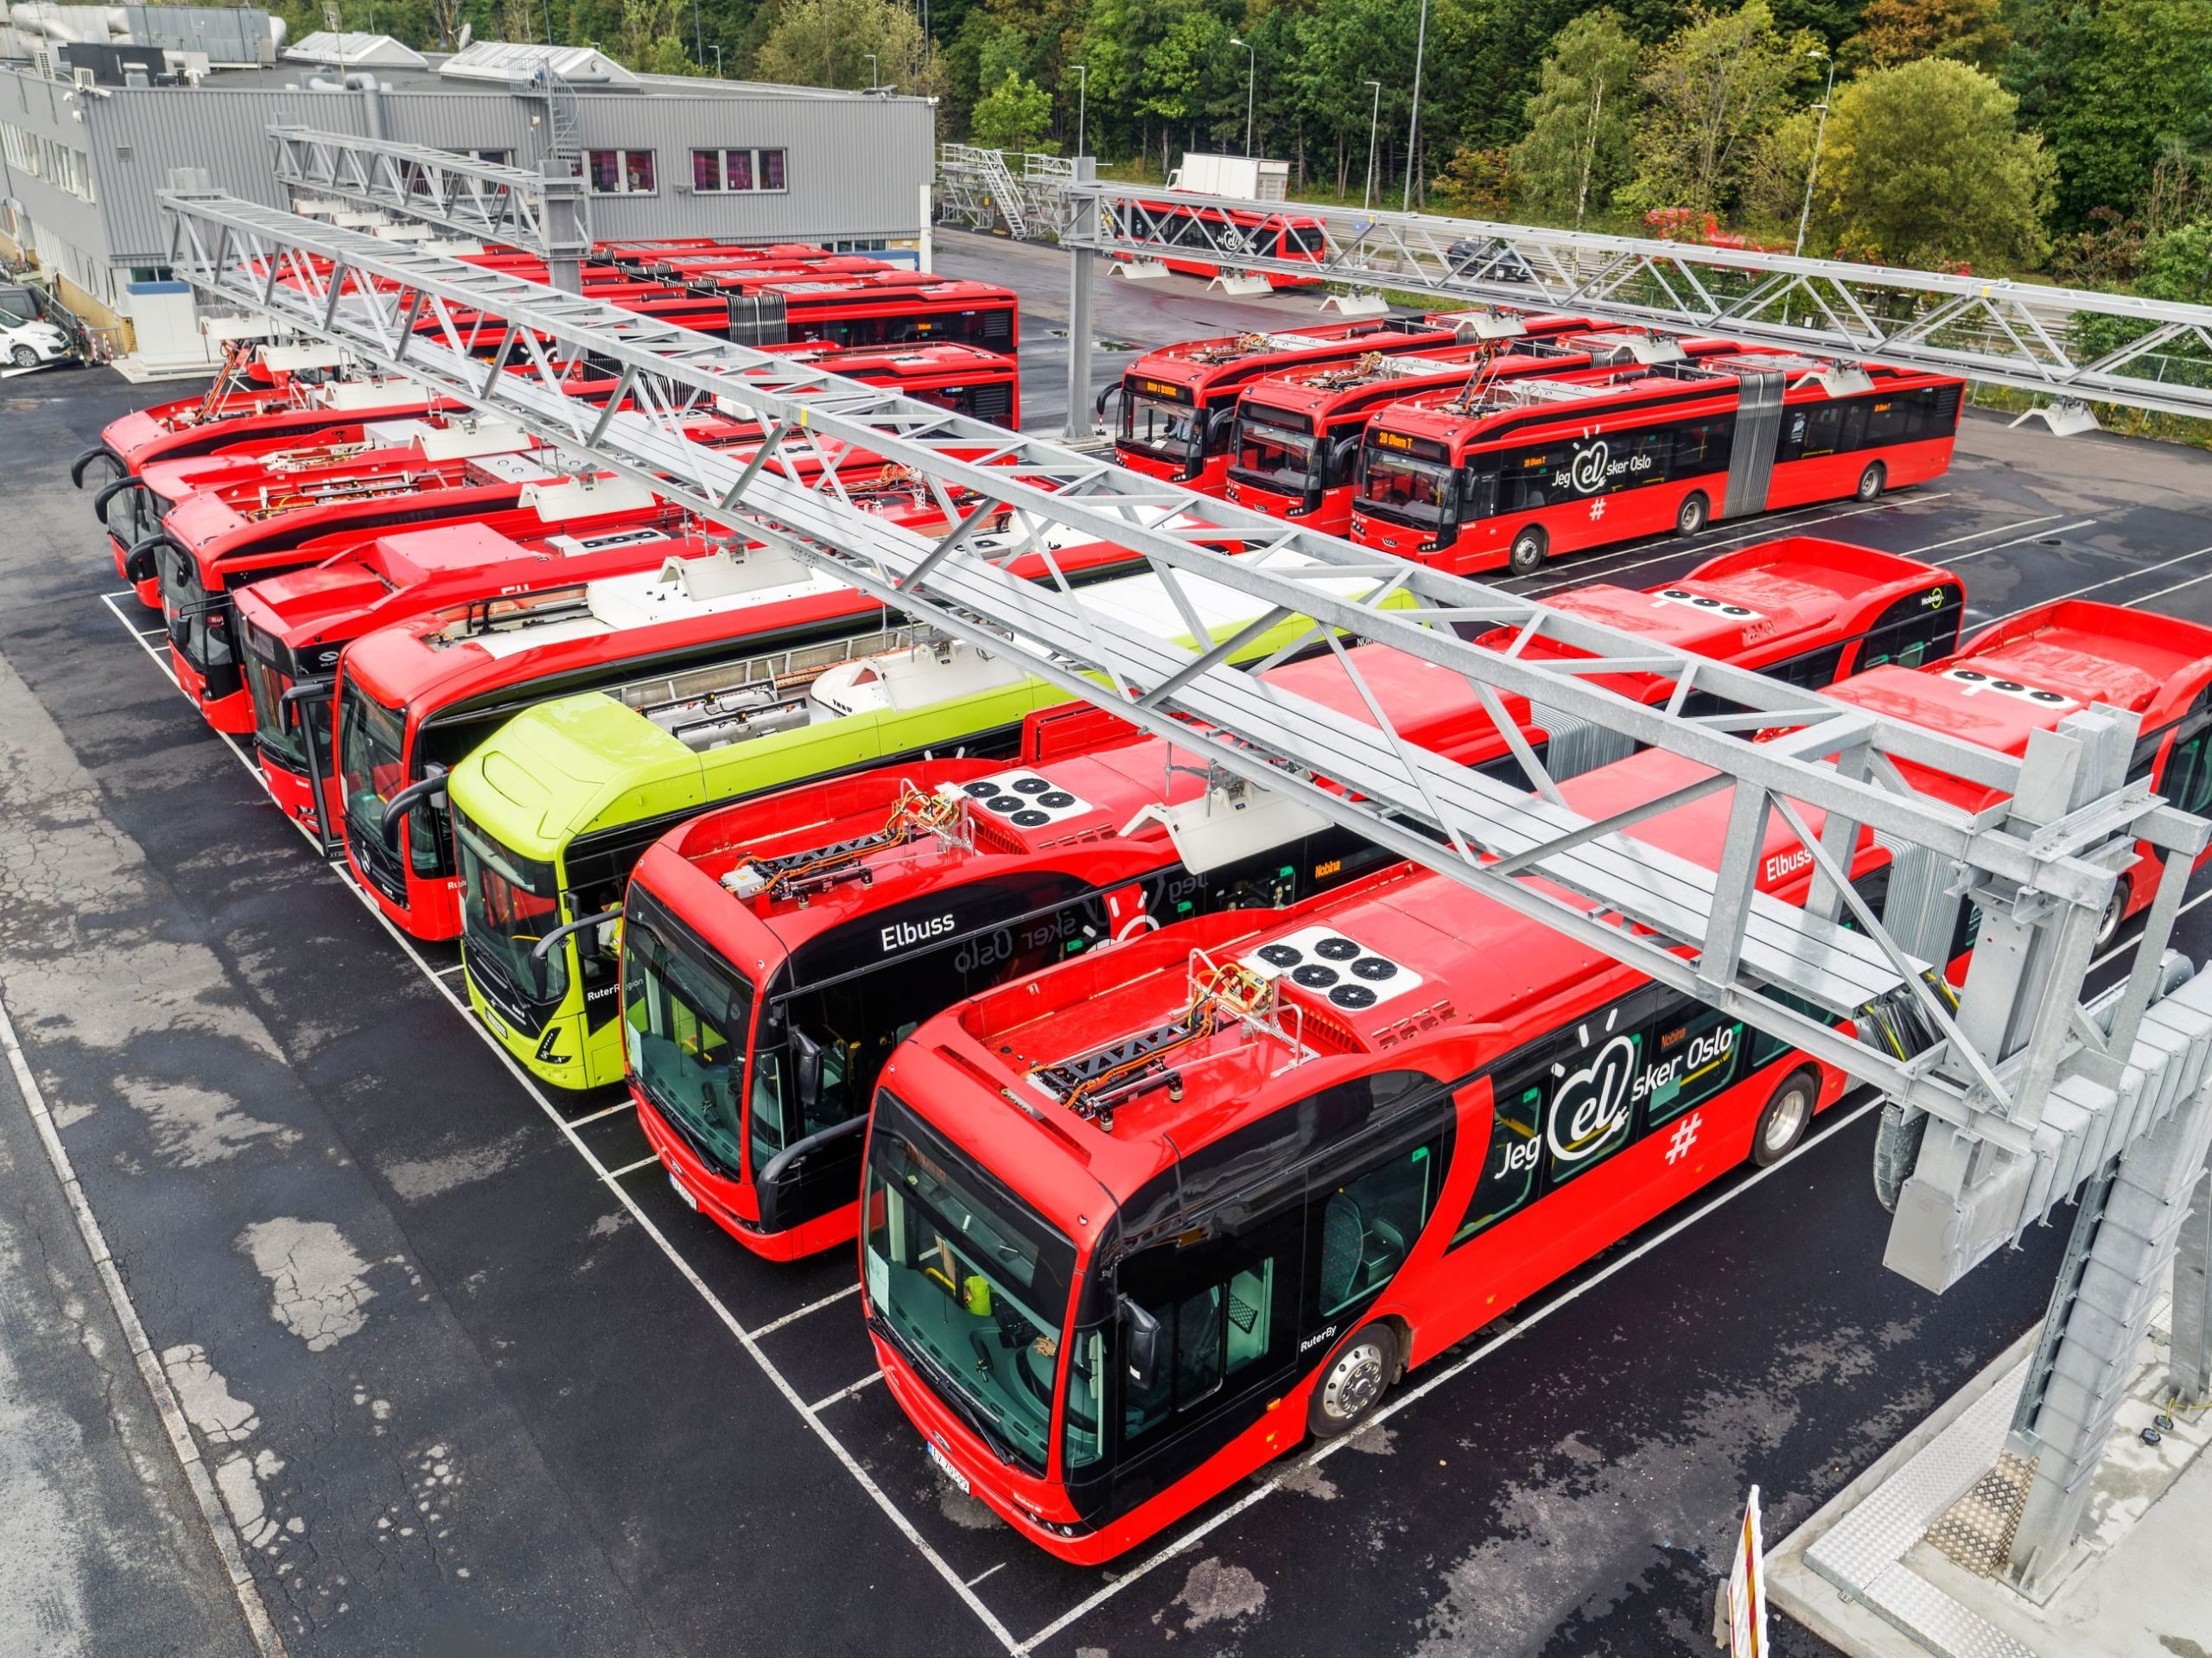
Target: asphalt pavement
column 471, row 1379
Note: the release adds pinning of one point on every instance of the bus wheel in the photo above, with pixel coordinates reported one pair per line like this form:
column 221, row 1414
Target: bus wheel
column 1353, row 1380
column 1527, row 555
column 1872, row 481
column 1787, row 1116
column 1696, row 510
column 2115, row 912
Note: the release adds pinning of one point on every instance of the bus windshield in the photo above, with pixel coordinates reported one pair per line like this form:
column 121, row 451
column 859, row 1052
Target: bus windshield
column 1274, row 457
column 187, row 607
column 968, row 1281
column 1411, row 492
column 281, row 728
column 684, row 1027
column 1168, row 431
column 508, row 903
column 371, row 756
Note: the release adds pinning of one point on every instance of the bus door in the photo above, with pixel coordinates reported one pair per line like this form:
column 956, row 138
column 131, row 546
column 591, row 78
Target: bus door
column 857, row 991
column 1751, row 457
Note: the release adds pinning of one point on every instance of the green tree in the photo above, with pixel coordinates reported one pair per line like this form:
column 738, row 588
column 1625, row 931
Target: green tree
column 1016, row 115
column 1898, row 31
column 2180, row 265
column 1925, row 165
column 827, row 43
column 1711, row 89
column 2106, row 83
column 1581, row 121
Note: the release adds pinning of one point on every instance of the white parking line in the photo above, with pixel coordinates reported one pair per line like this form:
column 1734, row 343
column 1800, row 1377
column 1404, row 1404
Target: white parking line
column 2110, row 581
column 774, row 1324
column 2176, row 587
column 578, row 1123
column 1085, row 1607
column 2040, row 535
column 613, row 1175
column 872, row 1377
column 1976, row 535
column 986, row 1572
column 729, row 1320
column 1675, row 546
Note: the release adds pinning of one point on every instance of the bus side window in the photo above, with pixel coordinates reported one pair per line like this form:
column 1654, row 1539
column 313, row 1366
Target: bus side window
column 2187, row 780
column 1855, row 427
column 1225, row 1304
column 1822, row 425
column 1508, row 1172
column 1766, row 1049
column 1691, row 1052
column 1367, row 1223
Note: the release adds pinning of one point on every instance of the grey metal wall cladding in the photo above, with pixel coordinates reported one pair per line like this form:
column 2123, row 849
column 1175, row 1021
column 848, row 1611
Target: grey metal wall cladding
column 855, row 167
column 42, row 109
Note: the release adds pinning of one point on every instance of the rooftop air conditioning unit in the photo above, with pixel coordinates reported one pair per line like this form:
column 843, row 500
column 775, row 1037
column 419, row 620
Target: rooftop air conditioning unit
column 82, row 77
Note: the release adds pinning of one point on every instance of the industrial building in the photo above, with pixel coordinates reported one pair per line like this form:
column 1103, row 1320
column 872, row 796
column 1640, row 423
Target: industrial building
column 98, row 103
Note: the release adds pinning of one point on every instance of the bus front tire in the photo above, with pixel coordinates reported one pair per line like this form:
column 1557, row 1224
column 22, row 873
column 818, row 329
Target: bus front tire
column 1872, row 481
column 1788, row 1113
column 1526, row 556
column 1353, row 1380
column 1695, row 512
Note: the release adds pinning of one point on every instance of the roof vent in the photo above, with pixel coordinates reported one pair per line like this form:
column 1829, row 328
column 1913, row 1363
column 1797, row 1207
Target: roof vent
column 1324, row 963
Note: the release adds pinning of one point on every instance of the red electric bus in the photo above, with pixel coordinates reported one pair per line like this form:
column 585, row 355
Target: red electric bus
column 1295, row 450
column 887, row 308
column 291, row 628
column 2029, row 672
column 1179, row 403
column 842, row 912
column 189, row 429
column 261, row 521
column 1539, row 467
column 1139, row 1224
column 413, row 700
column 1236, row 230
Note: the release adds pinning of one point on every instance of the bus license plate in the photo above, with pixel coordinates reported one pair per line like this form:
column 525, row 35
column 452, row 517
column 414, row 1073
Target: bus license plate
column 689, row 1201
column 945, row 1467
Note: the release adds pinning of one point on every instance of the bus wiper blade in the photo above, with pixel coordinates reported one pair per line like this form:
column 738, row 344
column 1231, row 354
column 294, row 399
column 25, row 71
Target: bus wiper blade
column 989, row 1429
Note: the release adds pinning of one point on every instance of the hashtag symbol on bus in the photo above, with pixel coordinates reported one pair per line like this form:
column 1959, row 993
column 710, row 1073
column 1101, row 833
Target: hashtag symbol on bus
column 1684, row 1137
column 1597, row 509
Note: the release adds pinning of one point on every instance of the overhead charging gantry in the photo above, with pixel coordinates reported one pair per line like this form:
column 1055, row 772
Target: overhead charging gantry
column 492, row 201
column 2018, row 1098
column 2072, row 346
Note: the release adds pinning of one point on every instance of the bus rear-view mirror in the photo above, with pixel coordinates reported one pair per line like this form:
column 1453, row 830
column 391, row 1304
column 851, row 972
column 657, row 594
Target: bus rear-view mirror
column 1140, row 1331
column 806, row 1068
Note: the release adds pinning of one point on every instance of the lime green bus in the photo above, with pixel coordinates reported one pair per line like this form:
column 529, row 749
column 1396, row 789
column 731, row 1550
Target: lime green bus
column 552, row 811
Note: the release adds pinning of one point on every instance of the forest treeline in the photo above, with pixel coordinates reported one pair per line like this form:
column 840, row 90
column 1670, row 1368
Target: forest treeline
column 2072, row 138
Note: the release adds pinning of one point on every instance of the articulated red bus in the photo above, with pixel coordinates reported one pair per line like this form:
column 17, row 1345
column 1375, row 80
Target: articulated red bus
column 413, row 700
column 261, row 518
column 1213, row 231
column 1295, row 451
column 1179, row 403
column 1539, row 468
column 1139, row 1224
column 290, row 629
column 782, row 943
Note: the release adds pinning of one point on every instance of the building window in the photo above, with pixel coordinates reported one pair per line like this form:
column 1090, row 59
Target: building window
column 726, row 172
column 21, row 149
column 620, row 171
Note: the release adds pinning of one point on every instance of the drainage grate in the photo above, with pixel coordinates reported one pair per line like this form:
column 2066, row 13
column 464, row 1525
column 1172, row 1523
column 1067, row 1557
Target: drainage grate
column 1977, row 1530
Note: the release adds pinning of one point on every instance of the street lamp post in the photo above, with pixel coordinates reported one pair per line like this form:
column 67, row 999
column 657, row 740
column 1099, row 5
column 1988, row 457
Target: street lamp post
column 1412, row 123
column 872, row 72
column 1373, row 125
column 718, row 60
column 1820, row 132
column 1251, row 85
column 1081, row 93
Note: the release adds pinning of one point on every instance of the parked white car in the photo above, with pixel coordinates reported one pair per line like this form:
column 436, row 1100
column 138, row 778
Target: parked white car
column 27, row 344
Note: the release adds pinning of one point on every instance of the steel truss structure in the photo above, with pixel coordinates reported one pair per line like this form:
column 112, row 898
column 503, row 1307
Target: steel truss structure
column 2069, row 344
column 489, row 200
column 1032, row 193
column 2042, row 863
